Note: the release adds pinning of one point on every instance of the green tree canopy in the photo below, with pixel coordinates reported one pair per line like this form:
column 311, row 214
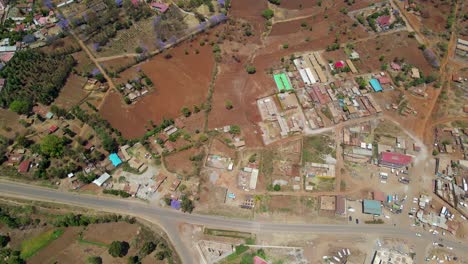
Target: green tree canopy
column 21, row 106
column 52, row 146
column 118, row 249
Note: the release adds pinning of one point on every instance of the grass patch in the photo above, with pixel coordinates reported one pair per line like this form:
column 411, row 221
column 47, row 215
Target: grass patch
column 94, row 243
column 239, row 251
column 316, row 147
column 460, row 124
column 227, row 233
column 33, row 245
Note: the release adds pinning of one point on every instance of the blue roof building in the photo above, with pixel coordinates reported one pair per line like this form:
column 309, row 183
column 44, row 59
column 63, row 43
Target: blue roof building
column 372, row 207
column 114, row 158
column 375, row 85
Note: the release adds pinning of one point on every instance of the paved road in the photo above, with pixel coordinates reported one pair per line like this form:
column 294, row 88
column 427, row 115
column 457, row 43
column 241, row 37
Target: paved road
column 168, row 218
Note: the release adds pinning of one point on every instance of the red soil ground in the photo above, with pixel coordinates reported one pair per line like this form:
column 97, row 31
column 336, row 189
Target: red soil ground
column 180, row 81
column 324, row 31
column 390, row 46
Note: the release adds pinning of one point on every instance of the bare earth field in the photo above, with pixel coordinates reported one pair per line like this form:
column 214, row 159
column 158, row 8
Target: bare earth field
column 72, row 93
column 180, row 81
column 180, row 162
column 390, row 46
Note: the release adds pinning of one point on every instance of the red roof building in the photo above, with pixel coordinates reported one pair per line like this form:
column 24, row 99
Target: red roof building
column 395, row 66
column 340, row 205
column 24, row 166
column 384, row 21
column 339, row 64
column 394, row 160
column 160, row 7
column 384, row 80
column 259, row 260
column 52, row 129
column 379, row 196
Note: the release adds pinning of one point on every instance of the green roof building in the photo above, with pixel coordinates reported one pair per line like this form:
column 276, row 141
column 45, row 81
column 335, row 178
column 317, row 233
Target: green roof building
column 372, row 207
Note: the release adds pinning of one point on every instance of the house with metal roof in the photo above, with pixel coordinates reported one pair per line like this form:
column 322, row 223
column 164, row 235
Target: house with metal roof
column 102, row 179
column 376, row 85
column 371, row 207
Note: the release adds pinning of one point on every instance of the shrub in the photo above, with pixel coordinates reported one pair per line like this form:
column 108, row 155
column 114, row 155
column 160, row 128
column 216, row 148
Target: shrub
column 94, row 260
column 250, row 69
column 148, row 248
column 277, row 188
column 268, row 14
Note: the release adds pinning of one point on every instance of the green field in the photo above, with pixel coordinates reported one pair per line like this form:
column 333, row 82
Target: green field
column 33, row 245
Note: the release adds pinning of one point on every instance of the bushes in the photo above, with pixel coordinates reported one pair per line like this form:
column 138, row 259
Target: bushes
column 120, row 193
column 148, row 248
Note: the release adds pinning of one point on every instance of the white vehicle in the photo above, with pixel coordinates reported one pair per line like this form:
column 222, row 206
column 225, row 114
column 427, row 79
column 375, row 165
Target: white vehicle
column 351, row 209
column 337, row 259
column 435, row 232
column 378, row 243
column 348, row 251
column 339, row 254
column 450, row 248
column 387, row 216
column 325, row 257
column 443, row 233
column 344, row 252
column 418, row 234
column 462, row 216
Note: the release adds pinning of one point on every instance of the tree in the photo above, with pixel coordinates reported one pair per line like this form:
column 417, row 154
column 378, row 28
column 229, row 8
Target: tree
column 250, row 69
column 275, row 2
column 235, row 130
column 277, row 187
column 21, row 106
column 4, row 240
column 228, row 104
column 94, row 260
column 268, row 14
column 148, row 248
column 52, row 146
column 22, row 141
column 186, row 112
column 187, row 205
column 285, row 46
column 118, row 249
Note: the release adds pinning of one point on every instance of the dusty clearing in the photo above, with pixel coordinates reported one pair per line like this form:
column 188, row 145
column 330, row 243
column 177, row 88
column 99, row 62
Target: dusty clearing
column 72, row 93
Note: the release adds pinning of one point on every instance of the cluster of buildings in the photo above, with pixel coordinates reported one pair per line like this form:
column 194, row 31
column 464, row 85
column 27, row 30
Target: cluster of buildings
column 313, row 171
column 134, row 89
column 443, row 220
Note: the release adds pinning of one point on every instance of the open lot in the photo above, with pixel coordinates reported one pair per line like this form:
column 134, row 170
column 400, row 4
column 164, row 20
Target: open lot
column 72, row 93
column 181, row 81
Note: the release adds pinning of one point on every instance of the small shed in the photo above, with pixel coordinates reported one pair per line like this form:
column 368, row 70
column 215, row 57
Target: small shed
column 24, row 166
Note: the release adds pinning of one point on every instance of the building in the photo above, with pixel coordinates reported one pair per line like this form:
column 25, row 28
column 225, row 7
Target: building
column 395, row 66
column 372, row 207
column 24, row 166
column 388, row 256
column 384, row 21
column 160, row 7
column 415, row 73
column 340, row 205
column 115, row 159
column 354, row 55
column 253, row 179
column 384, row 80
column 102, row 179
column 379, row 196
column 376, row 85
column 394, row 160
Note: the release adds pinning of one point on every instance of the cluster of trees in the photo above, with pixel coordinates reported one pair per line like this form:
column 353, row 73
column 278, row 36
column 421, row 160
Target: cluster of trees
column 32, row 76
column 102, row 127
column 192, row 4
column 118, row 249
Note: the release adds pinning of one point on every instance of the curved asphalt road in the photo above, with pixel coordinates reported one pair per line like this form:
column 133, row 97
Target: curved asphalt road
column 169, row 218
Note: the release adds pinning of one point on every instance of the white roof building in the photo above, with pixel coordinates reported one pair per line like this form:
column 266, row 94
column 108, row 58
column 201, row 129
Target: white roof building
column 253, row 179
column 102, row 179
